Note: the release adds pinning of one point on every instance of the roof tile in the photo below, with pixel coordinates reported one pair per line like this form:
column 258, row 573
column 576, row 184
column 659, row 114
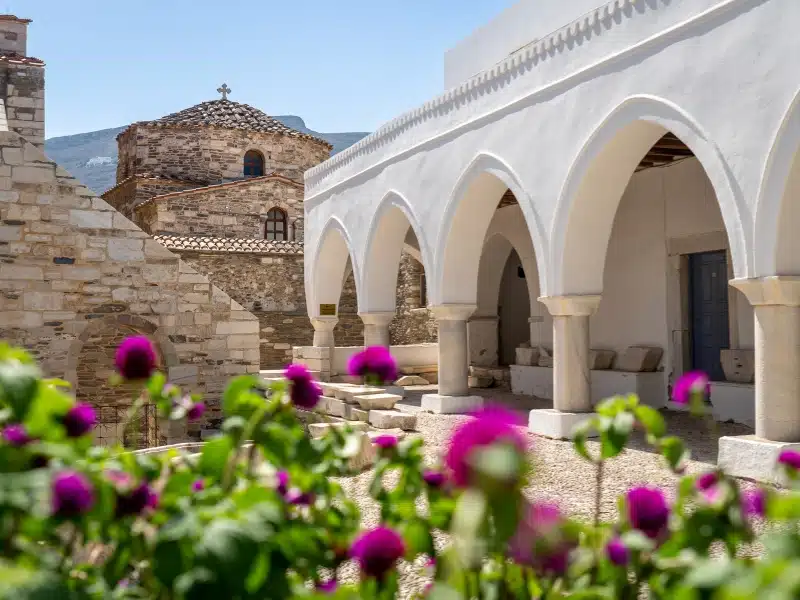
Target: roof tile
column 228, row 245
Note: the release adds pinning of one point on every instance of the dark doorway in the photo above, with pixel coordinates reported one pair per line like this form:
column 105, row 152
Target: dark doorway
column 708, row 289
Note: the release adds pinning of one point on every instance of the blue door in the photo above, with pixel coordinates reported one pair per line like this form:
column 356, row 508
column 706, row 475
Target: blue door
column 708, row 288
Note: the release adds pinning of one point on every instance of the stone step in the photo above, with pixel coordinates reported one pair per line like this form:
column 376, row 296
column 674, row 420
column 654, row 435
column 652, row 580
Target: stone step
column 410, row 409
column 419, row 369
column 392, row 419
column 398, row 433
column 354, row 413
column 351, row 393
column 407, row 380
column 330, row 406
column 318, row 430
column 378, row 401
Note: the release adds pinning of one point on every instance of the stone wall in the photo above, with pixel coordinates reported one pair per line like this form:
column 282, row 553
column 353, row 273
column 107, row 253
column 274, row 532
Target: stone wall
column 349, row 330
column 24, row 100
column 212, row 155
column 235, row 210
column 72, row 268
column 414, row 323
column 130, row 193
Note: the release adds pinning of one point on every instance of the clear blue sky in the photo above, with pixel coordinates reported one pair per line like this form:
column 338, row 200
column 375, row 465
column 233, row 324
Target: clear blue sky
column 346, row 65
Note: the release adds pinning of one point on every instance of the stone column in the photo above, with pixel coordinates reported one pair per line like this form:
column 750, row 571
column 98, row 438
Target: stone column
column 776, row 310
column 320, row 357
column 453, row 362
column 572, row 397
column 376, row 328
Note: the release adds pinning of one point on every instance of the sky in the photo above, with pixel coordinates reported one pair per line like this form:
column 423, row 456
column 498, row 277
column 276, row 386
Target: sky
column 346, row 65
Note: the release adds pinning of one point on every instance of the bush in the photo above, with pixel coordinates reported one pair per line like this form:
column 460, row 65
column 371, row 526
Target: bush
column 258, row 513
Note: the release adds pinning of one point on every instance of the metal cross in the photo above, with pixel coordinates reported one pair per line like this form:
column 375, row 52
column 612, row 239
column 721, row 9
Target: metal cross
column 224, row 90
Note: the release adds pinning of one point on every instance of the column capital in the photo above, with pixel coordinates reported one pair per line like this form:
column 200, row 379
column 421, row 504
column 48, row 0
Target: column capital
column 571, row 306
column 453, row 312
column 775, row 290
column 324, row 323
column 377, row 318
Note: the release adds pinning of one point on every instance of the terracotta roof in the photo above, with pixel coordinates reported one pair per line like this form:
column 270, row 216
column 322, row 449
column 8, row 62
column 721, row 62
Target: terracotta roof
column 228, row 115
column 228, row 245
column 19, row 59
column 212, row 188
column 14, row 18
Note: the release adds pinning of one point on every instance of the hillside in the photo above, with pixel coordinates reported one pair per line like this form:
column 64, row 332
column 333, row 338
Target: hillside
column 92, row 156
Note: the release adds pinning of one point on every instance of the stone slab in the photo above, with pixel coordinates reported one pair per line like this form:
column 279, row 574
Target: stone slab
column 338, row 389
column 450, row 405
column 377, row 401
column 555, row 424
column 480, row 381
column 350, row 395
column 601, row 360
column 398, row 433
column 318, row 430
column 639, row 359
column 739, row 365
column 419, row 369
column 527, row 356
column 407, row 380
column 408, row 408
column 394, row 389
column 752, row 457
column 392, row 419
column 354, row 413
column 331, row 406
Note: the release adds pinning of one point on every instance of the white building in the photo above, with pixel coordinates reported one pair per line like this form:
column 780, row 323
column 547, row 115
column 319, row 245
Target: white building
column 650, row 148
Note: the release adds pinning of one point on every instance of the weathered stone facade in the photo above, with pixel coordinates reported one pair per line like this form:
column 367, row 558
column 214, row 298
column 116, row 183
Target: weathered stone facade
column 414, row 323
column 133, row 191
column 21, row 82
column 75, row 271
column 237, row 209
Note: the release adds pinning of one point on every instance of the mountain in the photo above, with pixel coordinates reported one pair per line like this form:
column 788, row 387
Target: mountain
column 92, row 157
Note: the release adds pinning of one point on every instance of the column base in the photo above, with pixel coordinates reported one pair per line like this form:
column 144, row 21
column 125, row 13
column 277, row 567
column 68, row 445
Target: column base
column 450, row 405
column 752, row 457
column 552, row 423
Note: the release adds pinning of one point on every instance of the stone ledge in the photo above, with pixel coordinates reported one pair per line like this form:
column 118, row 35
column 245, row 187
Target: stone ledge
column 450, row 405
column 555, row 424
column 752, row 457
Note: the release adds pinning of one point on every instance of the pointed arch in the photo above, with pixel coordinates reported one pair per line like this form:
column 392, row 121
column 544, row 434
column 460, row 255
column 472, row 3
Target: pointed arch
column 387, row 233
column 588, row 202
column 466, row 220
column 777, row 217
column 327, row 273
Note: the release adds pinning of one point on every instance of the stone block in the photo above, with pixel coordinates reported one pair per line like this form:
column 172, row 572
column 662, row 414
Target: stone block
column 601, row 360
column 28, row 174
column 331, row 406
column 90, row 219
column 16, row 318
column 738, row 365
column 419, row 369
column 43, row 300
column 392, row 419
column 555, row 424
column 10, row 233
column 450, row 405
column 243, row 341
column 125, row 249
column 351, row 392
column 21, row 272
column 527, row 356
column 408, row 380
column 318, row 430
column 639, row 359
column 377, row 401
column 545, row 358
column 236, row 327
column 353, row 413
column 752, row 457
column 480, row 381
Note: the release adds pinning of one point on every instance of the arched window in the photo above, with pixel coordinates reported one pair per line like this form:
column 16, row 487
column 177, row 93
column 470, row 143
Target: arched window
column 275, row 226
column 253, row 164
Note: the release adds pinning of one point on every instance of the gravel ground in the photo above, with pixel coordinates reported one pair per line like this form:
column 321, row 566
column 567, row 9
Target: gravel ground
column 560, row 475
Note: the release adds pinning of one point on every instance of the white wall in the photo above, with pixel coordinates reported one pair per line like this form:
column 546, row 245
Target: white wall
column 515, row 27
column 412, row 355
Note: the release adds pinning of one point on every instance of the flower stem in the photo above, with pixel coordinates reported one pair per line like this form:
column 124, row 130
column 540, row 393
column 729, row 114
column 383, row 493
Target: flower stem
column 598, row 492
column 255, row 420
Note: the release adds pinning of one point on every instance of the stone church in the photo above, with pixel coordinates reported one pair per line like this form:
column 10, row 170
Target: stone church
column 221, row 185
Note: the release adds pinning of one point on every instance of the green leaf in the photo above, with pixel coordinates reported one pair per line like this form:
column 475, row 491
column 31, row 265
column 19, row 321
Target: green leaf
column 637, row 541
column 651, row 419
column 709, row 574
column 418, row 538
column 229, row 550
column 614, row 437
column 674, row 451
column 155, row 385
column 579, row 436
column 168, row 561
column 441, row 591
column 47, row 408
column 215, row 456
column 18, row 385
column 238, row 387
column 784, row 507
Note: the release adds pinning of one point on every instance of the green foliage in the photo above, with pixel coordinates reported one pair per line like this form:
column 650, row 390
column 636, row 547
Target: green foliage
column 225, row 527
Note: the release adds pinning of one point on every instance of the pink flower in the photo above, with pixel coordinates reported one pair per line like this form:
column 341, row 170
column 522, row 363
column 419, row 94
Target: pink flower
column 706, row 481
column 195, row 411
column 72, row 494
column 374, row 363
column 539, row 541
column 790, row 458
column 617, row 552
column 304, row 391
column 385, row 442
column 283, row 482
column 136, row 358
column 198, row 485
column 79, row 420
column 299, row 498
column 327, row 587
column 435, row 479
column 490, row 425
column 754, row 503
column 377, row 551
column 15, row 435
column 648, row 511
column 690, row 384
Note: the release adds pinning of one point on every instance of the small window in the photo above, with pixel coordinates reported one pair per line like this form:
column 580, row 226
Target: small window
column 423, row 291
column 253, row 164
column 294, row 231
column 275, row 226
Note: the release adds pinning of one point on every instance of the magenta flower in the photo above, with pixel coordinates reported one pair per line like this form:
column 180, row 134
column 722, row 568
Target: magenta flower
column 136, row 358
column 377, row 551
column 754, row 503
column 435, row 479
column 648, row 511
column 490, row 425
column 304, row 391
column 298, row 498
column 617, row 552
column 72, row 494
column 198, row 485
column 707, row 481
column 539, row 541
column 196, row 411
column 385, row 442
column 790, row 458
column 327, row 587
column 283, row 483
column 79, row 420
column 375, row 364
column 690, row 384
column 133, row 502
column 15, row 435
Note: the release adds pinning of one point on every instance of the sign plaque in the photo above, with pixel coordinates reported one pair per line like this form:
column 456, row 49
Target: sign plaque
column 327, row 310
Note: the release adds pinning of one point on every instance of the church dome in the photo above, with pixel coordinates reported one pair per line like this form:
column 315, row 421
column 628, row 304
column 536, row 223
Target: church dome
column 227, row 114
